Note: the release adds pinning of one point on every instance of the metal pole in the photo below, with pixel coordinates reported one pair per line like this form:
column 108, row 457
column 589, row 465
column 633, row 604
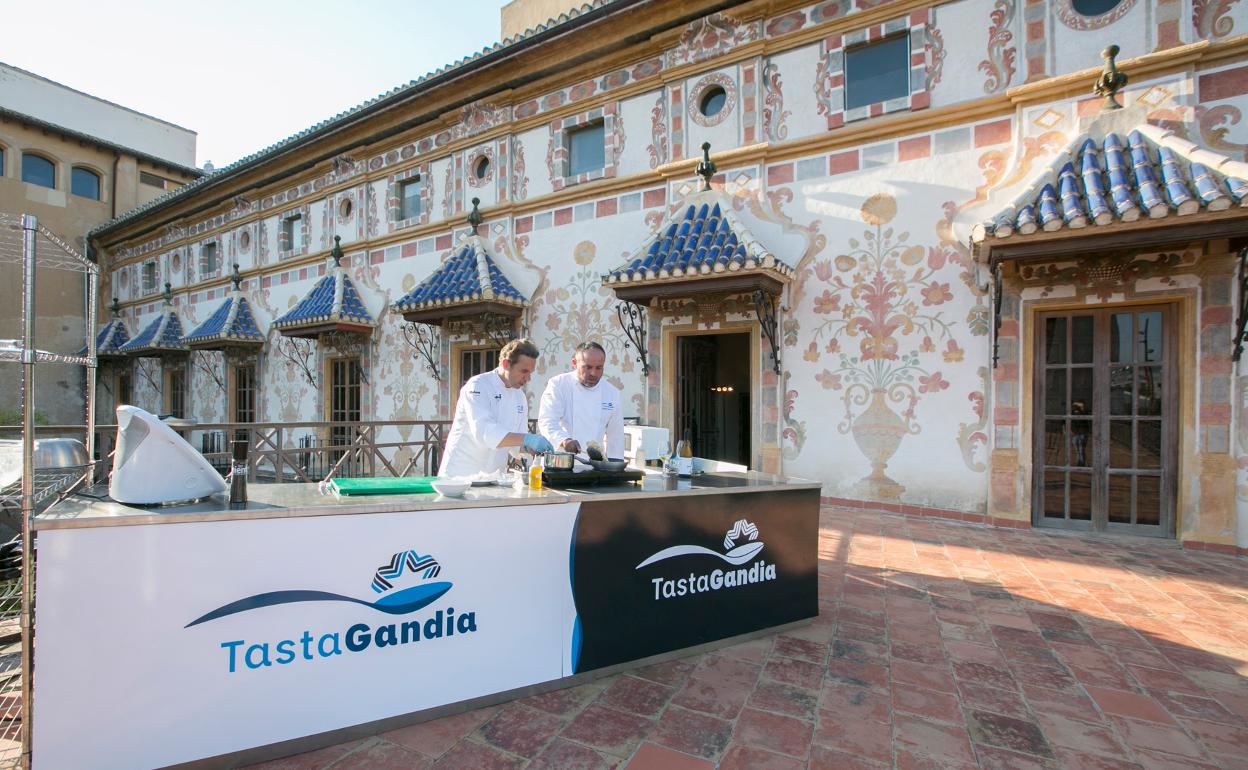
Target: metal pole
column 29, row 227
column 92, row 281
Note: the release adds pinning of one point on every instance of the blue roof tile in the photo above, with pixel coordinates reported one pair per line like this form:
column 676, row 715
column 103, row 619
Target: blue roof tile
column 163, row 334
column 1149, row 173
column 111, row 338
column 702, row 238
column 334, row 299
column 232, row 322
column 469, row 275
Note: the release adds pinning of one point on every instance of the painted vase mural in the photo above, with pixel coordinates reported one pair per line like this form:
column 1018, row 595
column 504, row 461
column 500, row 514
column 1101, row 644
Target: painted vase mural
column 881, row 318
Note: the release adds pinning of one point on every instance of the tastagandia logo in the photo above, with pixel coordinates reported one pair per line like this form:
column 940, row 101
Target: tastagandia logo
column 736, row 555
column 404, row 585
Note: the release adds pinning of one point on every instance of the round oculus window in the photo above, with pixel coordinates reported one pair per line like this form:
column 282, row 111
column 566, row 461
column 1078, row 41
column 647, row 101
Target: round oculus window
column 344, row 208
column 481, row 168
column 713, row 101
column 244, row 240
column 1094, row 7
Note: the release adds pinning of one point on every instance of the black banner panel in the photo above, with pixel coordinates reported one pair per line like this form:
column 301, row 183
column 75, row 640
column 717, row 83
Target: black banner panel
column 661, row 574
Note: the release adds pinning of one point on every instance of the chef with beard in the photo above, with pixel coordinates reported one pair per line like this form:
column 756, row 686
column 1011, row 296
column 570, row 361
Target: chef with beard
column 579, row 407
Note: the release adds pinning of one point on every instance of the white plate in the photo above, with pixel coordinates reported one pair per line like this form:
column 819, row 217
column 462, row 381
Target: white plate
column 485, row 483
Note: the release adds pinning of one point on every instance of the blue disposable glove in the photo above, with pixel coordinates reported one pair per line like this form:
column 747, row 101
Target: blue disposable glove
column 537, row 444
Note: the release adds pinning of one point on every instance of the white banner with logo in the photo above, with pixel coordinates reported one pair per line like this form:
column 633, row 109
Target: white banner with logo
column 167, row 643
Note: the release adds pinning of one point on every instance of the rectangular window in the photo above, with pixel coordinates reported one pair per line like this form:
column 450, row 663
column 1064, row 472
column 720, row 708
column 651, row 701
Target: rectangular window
column 877, row 72
column 409, row 199
column 586, row 149
column 245, row 393
column 344, row 407
column 175, row 392
column 149, row 276
column 292, row 233
column 474, row 361
column 121, row 392
column 151, row 180
column 208, row 259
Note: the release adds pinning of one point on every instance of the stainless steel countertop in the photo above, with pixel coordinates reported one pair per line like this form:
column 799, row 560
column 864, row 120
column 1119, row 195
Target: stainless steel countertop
column 277, row 501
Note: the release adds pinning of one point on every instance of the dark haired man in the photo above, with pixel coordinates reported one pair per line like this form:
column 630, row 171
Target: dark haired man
column 580, row 407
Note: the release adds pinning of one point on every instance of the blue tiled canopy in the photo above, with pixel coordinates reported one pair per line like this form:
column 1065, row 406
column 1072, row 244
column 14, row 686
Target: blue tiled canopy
column 110, row 339
column 231, row 324
column 468, row 277
column 1150, row 173
column 702, row 239
column 333, row 302
column 162, row 335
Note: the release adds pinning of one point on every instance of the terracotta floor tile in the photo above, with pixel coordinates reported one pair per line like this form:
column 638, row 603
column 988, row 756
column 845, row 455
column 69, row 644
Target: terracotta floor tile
column 568, row 701
column 1083, row 737
column 851, row 672
column 846, row 702
column 1006, row 702
column 823, row 758
column 922, row 675
column 671, row 673
column 652, row 757
column 312, row 760
column 993, row 758
column 799, row 673
column 1129, row 704
column 692, row 733
column 520, row 730
column 869, row 739
column 1021, row 735
column 909, row 760
column 790, row 646
column 565, row 755
column 926, row 738
column 382, row 755
column 998, row 676
column 467, row 755
column 785, row 699
column 1070, row 705
column 609, row 730
column 1152, row 760
column 1155, row 736
column 858, row 651
column 741, row 757
column 637, row 696
column 1219, row 738
column 717, row 696
column 774, row 732
column 930, row 704
column 1069, row 759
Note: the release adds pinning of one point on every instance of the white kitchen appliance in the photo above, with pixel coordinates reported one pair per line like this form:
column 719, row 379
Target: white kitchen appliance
column 650, row 441
column 154, row 465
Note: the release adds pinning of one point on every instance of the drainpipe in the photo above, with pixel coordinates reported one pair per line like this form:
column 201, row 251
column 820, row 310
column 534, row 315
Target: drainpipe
column 113, row 200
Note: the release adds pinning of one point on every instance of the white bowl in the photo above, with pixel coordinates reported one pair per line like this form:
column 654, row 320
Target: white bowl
column 451, row 487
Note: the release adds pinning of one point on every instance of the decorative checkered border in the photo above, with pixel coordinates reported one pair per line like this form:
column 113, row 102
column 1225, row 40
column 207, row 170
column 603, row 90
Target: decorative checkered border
column 557, row 155
column 284, row 250
column 830, row 72
column 394, row 201
column 699, row 91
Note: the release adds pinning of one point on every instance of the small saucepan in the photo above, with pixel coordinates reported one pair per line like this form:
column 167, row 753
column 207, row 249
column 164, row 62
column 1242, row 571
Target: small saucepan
column 559, row 461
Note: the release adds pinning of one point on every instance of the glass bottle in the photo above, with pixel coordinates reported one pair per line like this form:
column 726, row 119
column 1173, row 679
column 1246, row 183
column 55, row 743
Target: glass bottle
column 535, row 473
column 684, row 456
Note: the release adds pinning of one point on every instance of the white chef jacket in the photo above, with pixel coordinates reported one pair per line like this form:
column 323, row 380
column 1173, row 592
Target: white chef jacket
column 568, row 409
column 486, row 412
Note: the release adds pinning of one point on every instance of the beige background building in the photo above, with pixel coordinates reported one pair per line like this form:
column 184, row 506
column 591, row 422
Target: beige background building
column 74, row 161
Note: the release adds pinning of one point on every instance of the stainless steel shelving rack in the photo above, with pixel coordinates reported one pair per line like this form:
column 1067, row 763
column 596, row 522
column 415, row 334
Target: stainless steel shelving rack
column 25, row 242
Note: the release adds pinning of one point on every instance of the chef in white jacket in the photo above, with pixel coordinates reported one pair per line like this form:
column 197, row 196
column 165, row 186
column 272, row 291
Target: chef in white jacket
column 492, row 416
column 579, row 407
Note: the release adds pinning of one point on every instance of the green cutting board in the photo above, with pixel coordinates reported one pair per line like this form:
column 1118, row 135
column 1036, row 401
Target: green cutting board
column 407, row 485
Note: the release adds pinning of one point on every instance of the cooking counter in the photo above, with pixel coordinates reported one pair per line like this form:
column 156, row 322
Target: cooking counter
column 268, row 501
column 304, row 619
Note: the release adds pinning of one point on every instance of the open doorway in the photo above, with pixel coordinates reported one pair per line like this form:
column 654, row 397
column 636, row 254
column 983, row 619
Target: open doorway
column 713, row 395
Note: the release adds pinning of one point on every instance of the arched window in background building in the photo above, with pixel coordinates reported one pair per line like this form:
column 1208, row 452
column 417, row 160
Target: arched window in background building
column 85, row 182
column 37, row 169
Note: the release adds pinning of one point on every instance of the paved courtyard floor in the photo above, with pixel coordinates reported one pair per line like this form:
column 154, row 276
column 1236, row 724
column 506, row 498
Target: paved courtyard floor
column 938, row 645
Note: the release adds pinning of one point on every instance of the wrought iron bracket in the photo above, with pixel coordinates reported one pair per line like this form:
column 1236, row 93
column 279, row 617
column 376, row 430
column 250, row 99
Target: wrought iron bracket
column 996, row 313
column 768, row 319
column 202, row 361
column 426, row 339
column 632, row 318
column 298, row 352
column 1241, row 322
column 498, row 329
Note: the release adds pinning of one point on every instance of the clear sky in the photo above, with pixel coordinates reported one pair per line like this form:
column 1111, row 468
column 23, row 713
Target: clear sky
column 243, row 73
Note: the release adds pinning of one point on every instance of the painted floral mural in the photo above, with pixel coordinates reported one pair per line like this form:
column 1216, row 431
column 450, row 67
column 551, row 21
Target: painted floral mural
column 883, row 318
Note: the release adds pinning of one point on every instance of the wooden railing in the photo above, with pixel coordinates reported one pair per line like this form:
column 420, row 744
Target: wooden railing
column 296, row 451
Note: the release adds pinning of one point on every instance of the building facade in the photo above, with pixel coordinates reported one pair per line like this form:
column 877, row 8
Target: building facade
column 74, row 161
column 924, row 263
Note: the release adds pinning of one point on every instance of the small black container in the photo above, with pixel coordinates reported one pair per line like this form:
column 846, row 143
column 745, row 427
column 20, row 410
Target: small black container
column 238, row 474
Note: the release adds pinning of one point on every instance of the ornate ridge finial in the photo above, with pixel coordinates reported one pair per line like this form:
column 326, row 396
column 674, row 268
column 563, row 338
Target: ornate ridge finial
column 236, row 278
column 706, row 167
column 1110, row 81
column 168, row 293
column 474, row 216
column 116, row 308
column 336, row 252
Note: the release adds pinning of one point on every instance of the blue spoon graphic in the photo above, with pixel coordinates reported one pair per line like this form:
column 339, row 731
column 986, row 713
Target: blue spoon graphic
column 397, row 603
